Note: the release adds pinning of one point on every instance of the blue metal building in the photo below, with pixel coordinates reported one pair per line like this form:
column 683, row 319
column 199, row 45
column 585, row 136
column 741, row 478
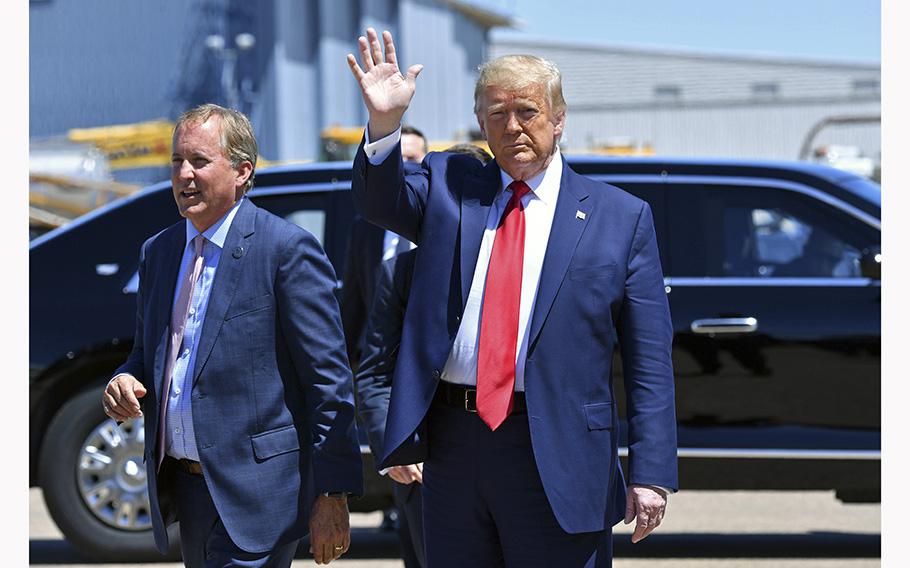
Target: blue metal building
column 105, row 62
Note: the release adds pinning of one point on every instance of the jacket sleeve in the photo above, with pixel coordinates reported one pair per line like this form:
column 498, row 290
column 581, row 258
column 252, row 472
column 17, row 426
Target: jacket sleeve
column 388, row 198
column 309, row 318
column 645, row 333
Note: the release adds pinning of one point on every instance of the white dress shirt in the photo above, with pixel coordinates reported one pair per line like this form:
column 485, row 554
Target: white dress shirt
column 390, row 242
column 540, row 205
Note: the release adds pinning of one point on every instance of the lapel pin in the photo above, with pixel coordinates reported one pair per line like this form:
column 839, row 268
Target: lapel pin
column 238, row 252
column 580, row 215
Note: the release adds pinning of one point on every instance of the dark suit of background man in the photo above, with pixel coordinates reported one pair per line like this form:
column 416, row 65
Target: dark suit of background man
column 373, row 380
column 525, row 272
column 368, row 247
column 240, row 364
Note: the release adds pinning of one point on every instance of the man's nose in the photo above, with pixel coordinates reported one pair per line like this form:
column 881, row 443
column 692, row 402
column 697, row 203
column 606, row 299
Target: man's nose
column 185, row 170
column 512, row 123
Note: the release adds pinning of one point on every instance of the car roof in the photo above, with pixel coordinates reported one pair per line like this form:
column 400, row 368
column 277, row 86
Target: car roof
column 330, row 176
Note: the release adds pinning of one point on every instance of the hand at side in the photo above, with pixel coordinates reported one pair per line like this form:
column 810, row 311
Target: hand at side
column 330, row 529
column 645, row 505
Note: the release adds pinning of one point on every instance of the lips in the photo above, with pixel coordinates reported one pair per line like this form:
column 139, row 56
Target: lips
column 189, row 193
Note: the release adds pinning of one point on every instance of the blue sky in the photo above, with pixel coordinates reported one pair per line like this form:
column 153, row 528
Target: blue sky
column 843, row 30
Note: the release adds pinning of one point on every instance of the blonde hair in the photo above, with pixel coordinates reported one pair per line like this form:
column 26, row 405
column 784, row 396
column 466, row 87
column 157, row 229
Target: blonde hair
column 237, row 139
column 519, row 71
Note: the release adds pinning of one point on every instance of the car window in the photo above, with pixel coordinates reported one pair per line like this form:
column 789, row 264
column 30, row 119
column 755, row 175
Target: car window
column 758, row 232
column 771, row 242
column 311, row 220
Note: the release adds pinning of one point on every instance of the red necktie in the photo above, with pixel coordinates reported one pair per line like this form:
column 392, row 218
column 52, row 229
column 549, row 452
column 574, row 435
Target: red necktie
column 499, row 316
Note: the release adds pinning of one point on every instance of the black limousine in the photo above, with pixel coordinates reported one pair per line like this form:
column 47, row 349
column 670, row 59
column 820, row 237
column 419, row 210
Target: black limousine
column 772, row 273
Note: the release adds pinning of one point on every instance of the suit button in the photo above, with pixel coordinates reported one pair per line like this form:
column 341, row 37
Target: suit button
column 436, row 373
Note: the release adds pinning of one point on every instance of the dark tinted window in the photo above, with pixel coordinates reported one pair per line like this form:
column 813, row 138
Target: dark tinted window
column 762, row 232
column 307, row 210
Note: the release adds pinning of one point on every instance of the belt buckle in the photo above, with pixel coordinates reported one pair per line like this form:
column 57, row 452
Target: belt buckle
column 470, row 402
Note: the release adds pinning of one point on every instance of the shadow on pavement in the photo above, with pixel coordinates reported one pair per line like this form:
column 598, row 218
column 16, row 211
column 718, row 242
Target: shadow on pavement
column 365, row 544
column 769, row 545
column 376, row 544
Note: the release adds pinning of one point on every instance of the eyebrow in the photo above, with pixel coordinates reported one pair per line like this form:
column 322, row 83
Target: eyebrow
column 191, row 155
column 522, row 103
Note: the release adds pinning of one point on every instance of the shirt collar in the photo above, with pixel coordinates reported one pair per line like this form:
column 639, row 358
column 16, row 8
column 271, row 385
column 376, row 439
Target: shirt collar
column 217, row 233
column 545, row 185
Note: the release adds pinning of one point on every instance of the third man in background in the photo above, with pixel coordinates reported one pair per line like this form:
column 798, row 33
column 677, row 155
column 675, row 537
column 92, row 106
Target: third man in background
column 368, row 247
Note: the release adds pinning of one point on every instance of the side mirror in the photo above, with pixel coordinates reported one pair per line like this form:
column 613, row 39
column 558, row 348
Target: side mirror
column 870, row 264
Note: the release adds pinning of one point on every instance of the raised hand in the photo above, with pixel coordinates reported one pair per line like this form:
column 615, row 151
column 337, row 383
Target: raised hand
column 386, row 92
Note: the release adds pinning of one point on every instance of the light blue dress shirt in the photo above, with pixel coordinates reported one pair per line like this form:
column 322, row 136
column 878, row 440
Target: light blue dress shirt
column 390, row 245
column 180, row 436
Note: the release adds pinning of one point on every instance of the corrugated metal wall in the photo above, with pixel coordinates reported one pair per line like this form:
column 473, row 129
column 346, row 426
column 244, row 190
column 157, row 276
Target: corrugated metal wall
column 697, row 104
column 104, row 62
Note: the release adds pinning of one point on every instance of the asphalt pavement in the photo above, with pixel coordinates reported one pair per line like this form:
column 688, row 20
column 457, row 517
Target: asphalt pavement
column 702, row 529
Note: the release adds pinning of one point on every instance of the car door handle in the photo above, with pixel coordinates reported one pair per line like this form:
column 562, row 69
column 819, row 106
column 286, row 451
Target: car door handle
column 725, row 325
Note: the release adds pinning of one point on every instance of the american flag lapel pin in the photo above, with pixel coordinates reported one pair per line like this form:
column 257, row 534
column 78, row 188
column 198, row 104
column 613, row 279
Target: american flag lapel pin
column 580, row 215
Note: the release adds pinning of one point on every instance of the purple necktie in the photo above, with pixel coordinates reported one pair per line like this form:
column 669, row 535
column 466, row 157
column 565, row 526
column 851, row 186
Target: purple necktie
column 178, row 325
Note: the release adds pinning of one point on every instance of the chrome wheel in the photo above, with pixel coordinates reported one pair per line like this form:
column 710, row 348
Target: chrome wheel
column 111, row 476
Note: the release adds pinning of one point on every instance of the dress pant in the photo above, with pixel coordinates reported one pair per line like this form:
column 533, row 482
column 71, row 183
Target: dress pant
column 204, row 541
column 410, row 523
column 484, row 504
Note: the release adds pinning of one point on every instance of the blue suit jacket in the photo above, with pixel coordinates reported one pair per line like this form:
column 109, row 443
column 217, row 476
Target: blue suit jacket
column 601, row 278
column 272, row 398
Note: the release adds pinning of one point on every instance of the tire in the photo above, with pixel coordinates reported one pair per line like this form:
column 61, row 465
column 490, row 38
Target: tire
column 67, row 471
column 858, row 495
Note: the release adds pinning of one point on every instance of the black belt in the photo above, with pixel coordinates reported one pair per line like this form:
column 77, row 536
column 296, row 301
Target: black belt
column 188, row 466
column 465, row 398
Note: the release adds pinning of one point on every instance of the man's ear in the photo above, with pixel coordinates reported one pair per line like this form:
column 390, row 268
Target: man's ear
column 244, row 170
column 559, row 125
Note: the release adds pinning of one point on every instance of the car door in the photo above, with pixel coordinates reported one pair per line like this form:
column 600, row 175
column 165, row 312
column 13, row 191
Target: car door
column 777, row 329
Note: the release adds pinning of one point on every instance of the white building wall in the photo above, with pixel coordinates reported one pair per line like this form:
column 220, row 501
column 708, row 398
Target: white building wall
column 770, row 131
column 611, row 93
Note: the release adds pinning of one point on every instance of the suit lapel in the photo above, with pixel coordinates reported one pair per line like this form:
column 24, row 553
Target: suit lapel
column 567, row 229
column 233, row 255
column 479, row 190
column 173, row 244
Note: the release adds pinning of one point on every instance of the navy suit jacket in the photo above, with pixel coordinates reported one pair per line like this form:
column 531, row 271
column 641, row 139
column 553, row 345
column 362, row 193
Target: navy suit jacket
column 373, row 380
column 601, row 278
column 272, row 394
column 361, row 266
